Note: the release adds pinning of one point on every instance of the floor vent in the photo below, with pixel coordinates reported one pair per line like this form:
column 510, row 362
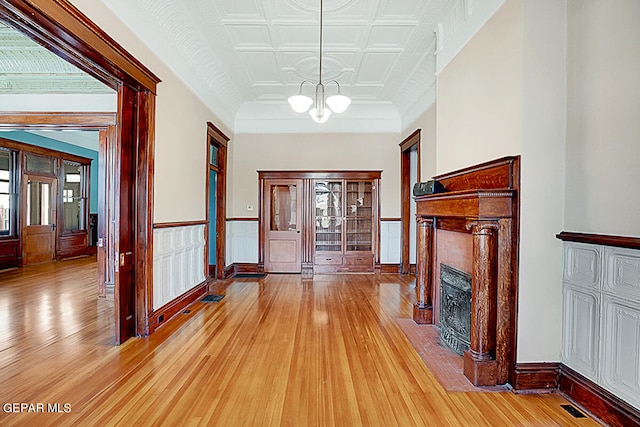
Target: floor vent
column 573, row 411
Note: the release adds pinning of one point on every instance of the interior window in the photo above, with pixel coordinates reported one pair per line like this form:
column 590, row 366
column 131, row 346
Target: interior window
column 73, row 200
column 7, row 198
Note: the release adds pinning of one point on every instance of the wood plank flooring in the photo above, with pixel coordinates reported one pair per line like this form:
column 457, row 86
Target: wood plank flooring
column 277, row 351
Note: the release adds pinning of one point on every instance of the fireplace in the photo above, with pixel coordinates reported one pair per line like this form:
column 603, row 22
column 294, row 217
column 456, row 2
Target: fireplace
column 455, row 308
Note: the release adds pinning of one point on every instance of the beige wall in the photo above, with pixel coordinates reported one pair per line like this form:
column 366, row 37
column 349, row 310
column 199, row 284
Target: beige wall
column 427, row 123
column 603, row 139
column 504, row 94
column 253, row 152
column 181, row 131
column 479, row 95
column 542, row 181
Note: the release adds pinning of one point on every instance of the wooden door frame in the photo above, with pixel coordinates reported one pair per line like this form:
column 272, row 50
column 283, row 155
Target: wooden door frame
column 216, row 137
column 62, row 28
column 409, row 144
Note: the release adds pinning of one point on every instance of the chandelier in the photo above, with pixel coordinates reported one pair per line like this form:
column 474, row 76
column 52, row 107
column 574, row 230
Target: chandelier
column 322, row 108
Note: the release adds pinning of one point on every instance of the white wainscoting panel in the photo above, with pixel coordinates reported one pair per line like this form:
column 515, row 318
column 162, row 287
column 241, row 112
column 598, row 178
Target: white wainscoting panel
column 582, row 265
column 178, row 262
column 242, row 241
column 601, row 317
column 623, row 272
column 621, row 350
column 390, row 237
column 581, row 321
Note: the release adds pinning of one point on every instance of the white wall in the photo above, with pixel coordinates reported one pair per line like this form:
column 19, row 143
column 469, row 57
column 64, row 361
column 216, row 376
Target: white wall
column 603, row 144
column 253, row 152
column 181, row 131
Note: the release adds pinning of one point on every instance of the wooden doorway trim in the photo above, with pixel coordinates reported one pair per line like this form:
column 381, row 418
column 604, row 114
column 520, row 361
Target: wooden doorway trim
column 410, row 143
column 62, row 28
column 217, row 138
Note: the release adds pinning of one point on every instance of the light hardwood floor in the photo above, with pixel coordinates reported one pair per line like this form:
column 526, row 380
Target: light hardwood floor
column 274, row 351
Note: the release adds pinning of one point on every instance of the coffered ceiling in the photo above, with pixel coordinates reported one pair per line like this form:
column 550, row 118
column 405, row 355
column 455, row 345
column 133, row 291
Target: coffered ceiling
column 243, row 58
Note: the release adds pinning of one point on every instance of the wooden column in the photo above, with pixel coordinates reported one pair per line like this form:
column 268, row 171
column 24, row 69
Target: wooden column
column 479, row 361
column 423, row 309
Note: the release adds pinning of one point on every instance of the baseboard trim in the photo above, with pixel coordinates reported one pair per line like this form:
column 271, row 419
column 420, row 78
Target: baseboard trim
column 241, row 267
column 600, row 402
column 536, row 376
column 165, row 313
column 389, row 268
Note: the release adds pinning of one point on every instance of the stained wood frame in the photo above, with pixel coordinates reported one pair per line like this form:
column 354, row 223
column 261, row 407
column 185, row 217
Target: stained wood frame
column 409, row 144
column 216, row 137
column 62, row 236
column 308, row 214
column 64, row 30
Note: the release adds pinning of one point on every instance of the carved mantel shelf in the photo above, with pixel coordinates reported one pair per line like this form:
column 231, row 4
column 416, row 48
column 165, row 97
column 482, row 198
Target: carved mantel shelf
column 490, row 215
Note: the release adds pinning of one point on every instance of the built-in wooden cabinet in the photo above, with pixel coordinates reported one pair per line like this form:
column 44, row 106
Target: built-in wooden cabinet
column 344, row 225
column 338, row 229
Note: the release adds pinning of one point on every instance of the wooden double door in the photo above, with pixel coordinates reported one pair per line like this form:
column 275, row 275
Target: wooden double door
column 319, row 222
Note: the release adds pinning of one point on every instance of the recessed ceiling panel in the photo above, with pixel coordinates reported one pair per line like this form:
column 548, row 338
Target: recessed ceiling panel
column 405, row 9
column 375, row 67
column 249, row 36
column 262, row 67
column 390, row 36
column 239, row 9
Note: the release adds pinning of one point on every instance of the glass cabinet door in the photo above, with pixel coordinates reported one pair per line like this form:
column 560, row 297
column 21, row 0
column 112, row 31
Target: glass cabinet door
column 329, row 216
column 359, row 213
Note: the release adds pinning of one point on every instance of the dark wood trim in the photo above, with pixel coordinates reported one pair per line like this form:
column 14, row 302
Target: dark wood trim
column 410, row 141
column 492, row 215
column 144, row 176
column 610, row 409
column 600, row 239
column 217, row 134
column 536, row 376
column 229, row 271
column 389, row 268
column 390, row 219
column 243, row 219
column 68, row 33
column 170, row 309
column 57, row 120
column 178, row 224
column 216, row 137
column 33, row 149
column 63, row 29
column 317, row 174
column 246, row 267
column 410, row 144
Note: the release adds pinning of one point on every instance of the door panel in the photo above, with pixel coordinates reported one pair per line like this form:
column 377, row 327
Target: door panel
column 283, row 237
column 39, row 216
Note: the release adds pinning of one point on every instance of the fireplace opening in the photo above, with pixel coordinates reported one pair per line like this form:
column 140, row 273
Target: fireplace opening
column 454, row 322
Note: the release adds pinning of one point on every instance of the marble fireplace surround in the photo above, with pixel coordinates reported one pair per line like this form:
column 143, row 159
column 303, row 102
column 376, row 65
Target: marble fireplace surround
column 482, row 201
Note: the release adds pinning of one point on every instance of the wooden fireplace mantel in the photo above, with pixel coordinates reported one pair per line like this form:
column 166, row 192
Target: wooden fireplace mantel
column 482, row 201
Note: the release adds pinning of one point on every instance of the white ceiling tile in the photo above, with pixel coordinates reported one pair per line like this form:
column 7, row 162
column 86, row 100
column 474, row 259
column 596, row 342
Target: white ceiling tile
column 249, row 36
column 247, row 52
column 375, row 67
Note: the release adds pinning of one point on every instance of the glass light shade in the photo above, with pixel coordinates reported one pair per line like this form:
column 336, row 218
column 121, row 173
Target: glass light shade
column 322, row 119
column 300, row 103
column 338, row 103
